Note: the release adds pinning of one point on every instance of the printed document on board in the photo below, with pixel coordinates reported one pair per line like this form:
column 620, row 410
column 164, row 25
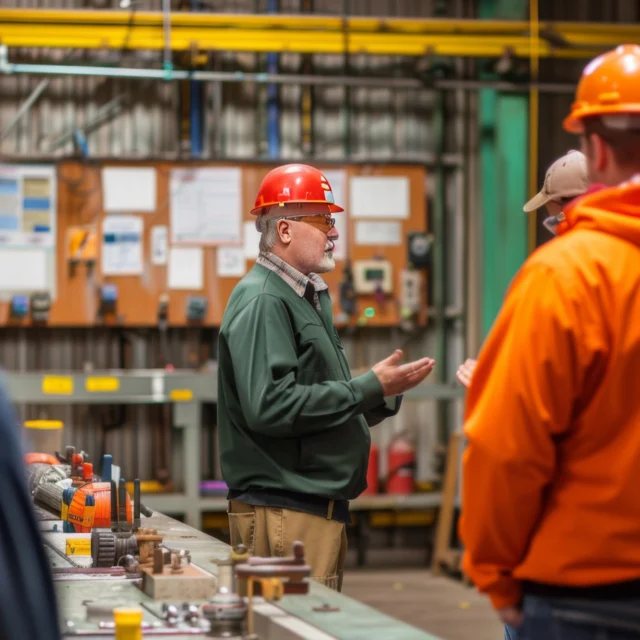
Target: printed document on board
column 159, row 244
column 379, row 197
column 129, row 189
column 122, row 246
column 186, row 268
column 206, row 206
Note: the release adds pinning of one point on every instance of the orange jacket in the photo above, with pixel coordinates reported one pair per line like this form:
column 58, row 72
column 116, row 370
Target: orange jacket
column 551, row 477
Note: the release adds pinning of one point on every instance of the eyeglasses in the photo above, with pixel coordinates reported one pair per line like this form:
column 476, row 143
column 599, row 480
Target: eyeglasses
column 321, row 221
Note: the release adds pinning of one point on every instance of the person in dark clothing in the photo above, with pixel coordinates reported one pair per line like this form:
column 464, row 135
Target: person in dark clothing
column 28, row 609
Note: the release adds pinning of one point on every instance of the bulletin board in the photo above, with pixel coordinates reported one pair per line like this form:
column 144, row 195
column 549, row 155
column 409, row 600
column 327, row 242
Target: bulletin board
column 27, row 228
column 79, row 276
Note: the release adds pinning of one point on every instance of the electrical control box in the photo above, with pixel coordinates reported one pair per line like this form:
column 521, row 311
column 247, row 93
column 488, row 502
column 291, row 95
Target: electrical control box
column 108, row 298
column 163, row 310
column 40, row 306
column 109, row 293
column 410, row 287
column 19, row 306
column 372, row 276
column 419, row 249
column 196, row 308
column 347, row 293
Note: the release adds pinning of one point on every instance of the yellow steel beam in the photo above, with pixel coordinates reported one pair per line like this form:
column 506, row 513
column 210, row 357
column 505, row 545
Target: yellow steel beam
column 302, row 34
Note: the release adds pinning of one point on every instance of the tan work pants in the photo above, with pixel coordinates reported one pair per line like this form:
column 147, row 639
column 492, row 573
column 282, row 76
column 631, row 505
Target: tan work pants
column 271, row 532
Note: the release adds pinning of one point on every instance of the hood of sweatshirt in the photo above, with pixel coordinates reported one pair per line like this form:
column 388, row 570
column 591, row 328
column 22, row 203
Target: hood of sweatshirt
column 613, row 210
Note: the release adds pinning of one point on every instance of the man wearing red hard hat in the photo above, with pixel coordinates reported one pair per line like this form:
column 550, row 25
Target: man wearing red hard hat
column 293, row 424
column 551, row 514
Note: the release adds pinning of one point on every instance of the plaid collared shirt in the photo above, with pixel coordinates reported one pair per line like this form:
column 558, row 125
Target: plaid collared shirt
column 296, row 280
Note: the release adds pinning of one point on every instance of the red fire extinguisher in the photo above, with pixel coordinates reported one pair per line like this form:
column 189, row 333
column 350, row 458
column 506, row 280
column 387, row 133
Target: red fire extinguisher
column 372, row 472
column 401, row 463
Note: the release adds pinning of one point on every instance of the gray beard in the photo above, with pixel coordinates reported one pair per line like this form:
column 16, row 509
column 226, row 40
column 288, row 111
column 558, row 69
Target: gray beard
column 327, row 263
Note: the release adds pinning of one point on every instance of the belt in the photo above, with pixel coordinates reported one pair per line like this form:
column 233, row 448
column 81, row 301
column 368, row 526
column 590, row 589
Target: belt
column 328, row 508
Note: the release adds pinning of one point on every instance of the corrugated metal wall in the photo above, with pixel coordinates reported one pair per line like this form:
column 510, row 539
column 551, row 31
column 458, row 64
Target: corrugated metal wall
column 132, row 433
column 142, row 119
column 121, row 117
column 380, row 123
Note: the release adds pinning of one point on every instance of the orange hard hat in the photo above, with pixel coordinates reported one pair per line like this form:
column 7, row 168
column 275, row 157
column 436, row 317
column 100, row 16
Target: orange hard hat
column 610, row 84
column 42, row 458
column 294, row 184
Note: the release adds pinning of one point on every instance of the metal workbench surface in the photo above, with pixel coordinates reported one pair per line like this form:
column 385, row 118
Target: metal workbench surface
column 291, row 617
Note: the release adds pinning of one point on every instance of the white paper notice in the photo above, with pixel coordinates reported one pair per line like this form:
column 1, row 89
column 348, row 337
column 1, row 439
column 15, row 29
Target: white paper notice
column 338, row 180
column 122, row 246
column 251, row 241
column 206, row 206
column 186, row 268
column 379, row 197
column 27, row 206
column 23, row 270
column 231, row 262
column 375, row 232
column 129, row 188
column 159, row 244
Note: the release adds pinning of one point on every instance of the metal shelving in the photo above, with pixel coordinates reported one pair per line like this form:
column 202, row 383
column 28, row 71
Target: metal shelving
column 186, row 391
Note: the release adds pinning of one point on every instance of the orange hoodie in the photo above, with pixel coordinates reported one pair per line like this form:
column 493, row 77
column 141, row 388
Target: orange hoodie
column 551, row 478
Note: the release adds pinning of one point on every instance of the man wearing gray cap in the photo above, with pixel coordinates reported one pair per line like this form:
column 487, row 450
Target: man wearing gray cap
column 566, row 179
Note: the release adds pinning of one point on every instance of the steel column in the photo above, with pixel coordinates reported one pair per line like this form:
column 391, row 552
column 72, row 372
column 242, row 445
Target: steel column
column 503, row 143
column 188, row 417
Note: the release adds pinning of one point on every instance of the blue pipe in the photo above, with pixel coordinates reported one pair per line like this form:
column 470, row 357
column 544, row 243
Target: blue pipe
column 195, row 117
column 196, row 107
column 273, row 107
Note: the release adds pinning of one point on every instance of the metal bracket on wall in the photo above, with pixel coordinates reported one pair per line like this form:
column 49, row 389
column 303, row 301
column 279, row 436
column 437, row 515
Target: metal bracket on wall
column 106, row 112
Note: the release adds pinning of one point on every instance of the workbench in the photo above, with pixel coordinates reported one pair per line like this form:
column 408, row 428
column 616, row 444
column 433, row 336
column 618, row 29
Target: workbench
column 294, row 616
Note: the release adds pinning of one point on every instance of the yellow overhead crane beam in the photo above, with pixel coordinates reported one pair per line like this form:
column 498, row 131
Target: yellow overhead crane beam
column 280, row 33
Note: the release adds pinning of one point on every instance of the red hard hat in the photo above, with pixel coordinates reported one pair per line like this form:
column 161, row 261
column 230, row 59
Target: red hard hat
column 294, row 184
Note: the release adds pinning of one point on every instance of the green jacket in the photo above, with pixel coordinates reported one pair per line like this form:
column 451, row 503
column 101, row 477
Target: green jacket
column 290, row 416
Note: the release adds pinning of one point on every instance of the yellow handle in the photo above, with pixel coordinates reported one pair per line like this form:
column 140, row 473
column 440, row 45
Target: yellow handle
column 78, row 547
column 272, row 588
column 128, row 623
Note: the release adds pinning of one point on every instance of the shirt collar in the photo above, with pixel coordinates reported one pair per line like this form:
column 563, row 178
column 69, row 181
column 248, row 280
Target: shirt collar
column 294, row 278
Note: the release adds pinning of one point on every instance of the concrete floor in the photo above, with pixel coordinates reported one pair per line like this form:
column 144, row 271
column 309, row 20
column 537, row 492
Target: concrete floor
column 441, row 606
